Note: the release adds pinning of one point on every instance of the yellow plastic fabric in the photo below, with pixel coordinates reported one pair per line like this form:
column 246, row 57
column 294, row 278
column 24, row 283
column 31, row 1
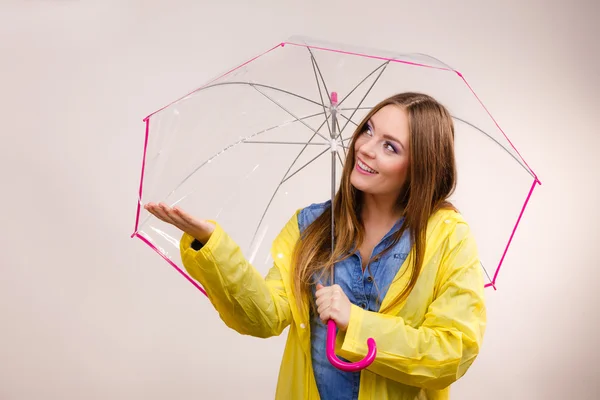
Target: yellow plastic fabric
column 424, row 344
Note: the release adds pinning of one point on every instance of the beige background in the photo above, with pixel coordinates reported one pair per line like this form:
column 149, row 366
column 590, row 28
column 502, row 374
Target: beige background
column 87, row 313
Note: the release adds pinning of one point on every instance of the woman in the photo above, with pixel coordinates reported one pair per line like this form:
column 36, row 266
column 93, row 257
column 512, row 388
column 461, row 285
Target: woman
column 406, row 268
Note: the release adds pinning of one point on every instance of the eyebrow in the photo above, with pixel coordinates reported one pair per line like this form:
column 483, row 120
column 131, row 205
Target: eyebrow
column 388, row 137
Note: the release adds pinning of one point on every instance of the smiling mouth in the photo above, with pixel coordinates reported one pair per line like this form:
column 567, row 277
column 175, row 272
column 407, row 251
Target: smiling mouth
column 364, row 167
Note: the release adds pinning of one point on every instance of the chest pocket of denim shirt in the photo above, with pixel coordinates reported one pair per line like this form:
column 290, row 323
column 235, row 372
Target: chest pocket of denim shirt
column 384, row 272
column 397, row 258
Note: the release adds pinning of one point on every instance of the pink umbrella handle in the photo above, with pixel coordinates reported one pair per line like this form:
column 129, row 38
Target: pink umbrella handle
column 345, row 366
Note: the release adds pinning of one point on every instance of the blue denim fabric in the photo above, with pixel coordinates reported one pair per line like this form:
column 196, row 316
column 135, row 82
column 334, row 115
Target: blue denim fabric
column 366, row 290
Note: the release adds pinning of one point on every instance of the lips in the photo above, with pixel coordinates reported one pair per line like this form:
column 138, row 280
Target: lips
column 365, row 167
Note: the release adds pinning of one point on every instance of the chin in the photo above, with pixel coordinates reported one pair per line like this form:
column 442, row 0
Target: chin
column 357, row 184
column 367, row 187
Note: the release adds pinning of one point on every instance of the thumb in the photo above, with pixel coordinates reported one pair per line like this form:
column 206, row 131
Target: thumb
column 319, row 286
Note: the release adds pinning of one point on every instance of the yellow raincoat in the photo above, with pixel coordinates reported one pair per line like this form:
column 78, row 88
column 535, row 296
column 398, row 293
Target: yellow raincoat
column 423, row 345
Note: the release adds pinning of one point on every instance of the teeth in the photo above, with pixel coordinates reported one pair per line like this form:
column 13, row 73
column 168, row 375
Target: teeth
column 363, row 166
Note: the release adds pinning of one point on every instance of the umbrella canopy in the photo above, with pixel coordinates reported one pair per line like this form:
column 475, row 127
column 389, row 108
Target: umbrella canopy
column 252, row 146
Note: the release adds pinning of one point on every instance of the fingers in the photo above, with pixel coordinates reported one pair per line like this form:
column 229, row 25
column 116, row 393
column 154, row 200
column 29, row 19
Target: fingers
column 166, row 214
column 185, row 217
column 174, row 216
column 327, row 299
column 324, row 316
column 326, row 289
column 328, row 311
column 322, row 294
column 325, row 294
column 323, row 305
column 155, row 210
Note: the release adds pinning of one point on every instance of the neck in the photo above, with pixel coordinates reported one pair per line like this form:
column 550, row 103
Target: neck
column 379, row 209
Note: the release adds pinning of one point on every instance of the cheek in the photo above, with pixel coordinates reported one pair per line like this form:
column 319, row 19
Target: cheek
column 396, row 168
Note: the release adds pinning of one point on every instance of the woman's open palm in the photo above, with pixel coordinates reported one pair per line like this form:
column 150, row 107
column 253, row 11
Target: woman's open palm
column 198, row 228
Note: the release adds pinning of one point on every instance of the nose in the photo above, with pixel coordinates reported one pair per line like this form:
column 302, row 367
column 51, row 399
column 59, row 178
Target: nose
column 366, row 149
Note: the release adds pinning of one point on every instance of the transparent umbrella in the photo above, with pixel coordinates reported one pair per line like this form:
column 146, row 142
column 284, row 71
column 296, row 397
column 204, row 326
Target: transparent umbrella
column 268, row 137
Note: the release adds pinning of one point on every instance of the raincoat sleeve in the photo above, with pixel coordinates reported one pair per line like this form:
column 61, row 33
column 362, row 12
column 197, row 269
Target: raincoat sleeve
column 440, row 351
column 246, row 301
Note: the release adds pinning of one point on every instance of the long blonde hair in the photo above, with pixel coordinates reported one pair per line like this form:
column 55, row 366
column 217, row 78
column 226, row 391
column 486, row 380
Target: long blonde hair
column 431, row 179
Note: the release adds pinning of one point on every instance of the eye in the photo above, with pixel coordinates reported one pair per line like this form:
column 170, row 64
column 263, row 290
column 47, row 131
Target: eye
column 390, row 147
column 368, row 130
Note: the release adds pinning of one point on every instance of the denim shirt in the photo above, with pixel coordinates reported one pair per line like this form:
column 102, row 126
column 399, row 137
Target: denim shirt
column 365, row 289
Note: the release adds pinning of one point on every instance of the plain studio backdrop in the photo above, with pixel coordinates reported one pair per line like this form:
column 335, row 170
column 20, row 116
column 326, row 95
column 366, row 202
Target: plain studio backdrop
column 88, row 313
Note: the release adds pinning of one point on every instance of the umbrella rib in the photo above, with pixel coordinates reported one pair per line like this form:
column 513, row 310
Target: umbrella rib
column 485, row 270
column 361, row 82
column 342, row 137
column 299, row 154
column 341, row 142
column 273, row 142
column 340, row 158
column 315, row 68
column 261, row 85
column 224, row 150
column 458, row 119
column 289, row 112
column 365, row 96
column 277, row 189
column 281, row 183
column 318, row 69
column 304, row 166
column 495, row 141
column 473, row 126
column 348, row 119
column 352, row 108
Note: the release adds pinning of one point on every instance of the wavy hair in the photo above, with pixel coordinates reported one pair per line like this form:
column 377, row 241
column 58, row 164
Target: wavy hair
column 431, row 179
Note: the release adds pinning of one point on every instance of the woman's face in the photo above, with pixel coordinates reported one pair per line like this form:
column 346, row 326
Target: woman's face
column 382, row 153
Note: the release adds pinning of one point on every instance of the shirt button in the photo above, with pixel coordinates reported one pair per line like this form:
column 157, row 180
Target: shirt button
column 302, row 325
column 370, row 279
column 363, row 305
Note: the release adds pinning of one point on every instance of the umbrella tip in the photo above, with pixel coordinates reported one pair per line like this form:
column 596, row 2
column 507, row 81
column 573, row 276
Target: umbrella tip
column 334, row 98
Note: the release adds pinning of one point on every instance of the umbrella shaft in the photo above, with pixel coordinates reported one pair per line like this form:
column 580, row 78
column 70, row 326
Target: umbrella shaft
column 332, row 201
column 333, row 179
